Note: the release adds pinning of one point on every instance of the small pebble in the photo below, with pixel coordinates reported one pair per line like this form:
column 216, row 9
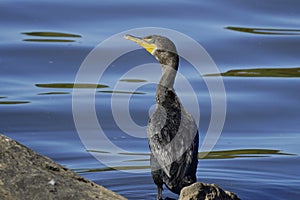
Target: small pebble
column 52, row 182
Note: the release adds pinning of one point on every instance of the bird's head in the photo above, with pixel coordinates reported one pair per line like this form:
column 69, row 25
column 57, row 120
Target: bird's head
column 162, row 48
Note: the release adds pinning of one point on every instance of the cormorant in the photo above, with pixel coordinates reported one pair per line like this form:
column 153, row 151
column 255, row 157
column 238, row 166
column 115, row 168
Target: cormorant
column 172, row 133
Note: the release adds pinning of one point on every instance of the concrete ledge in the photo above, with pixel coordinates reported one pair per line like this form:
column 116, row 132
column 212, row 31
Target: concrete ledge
column 25, row 174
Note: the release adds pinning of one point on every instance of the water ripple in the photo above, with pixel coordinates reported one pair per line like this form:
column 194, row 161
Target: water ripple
column 70, row 85
column 262, row 72
column 225, row 154
column 265, row 31
column 47, row 37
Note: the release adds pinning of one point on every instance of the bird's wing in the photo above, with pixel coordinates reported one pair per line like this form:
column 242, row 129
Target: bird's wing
column 173, row 152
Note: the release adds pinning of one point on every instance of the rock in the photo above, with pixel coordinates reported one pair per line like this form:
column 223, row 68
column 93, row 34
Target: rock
column 203, row 191
column 25, row 174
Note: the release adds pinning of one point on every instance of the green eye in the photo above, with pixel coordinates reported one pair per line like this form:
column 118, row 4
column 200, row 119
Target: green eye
column 152, row 40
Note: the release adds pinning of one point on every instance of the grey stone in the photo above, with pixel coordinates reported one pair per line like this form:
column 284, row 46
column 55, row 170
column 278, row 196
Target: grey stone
column 25, row 174
column 203, row 191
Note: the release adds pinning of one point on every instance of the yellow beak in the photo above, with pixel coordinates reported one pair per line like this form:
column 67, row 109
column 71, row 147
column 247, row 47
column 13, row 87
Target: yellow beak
column 150, row 47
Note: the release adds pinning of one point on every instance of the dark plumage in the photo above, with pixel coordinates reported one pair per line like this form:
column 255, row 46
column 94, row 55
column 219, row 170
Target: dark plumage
column 172, row 133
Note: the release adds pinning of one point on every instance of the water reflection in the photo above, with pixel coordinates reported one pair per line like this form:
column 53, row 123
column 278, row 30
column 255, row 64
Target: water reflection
column 117, row 168
column 70, row 85
column 13, row 102
column 47, row 40
column 53, row 93
column 265, row 31
column 49, row 36
column 86, row 85
column 262, row 72
column 226, row 154
column 133, row 80
column 242, row 153
column 120, row 92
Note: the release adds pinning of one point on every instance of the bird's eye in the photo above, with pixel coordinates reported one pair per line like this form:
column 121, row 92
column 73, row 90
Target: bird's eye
column 150, row 39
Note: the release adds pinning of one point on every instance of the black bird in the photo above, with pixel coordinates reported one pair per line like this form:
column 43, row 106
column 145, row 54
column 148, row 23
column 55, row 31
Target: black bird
column 172, row 133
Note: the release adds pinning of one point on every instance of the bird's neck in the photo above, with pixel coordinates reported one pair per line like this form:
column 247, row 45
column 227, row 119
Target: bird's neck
column 165, row 84
column 168, row 77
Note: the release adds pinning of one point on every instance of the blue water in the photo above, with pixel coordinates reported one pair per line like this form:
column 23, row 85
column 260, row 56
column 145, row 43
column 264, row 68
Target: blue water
column 262, row 112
